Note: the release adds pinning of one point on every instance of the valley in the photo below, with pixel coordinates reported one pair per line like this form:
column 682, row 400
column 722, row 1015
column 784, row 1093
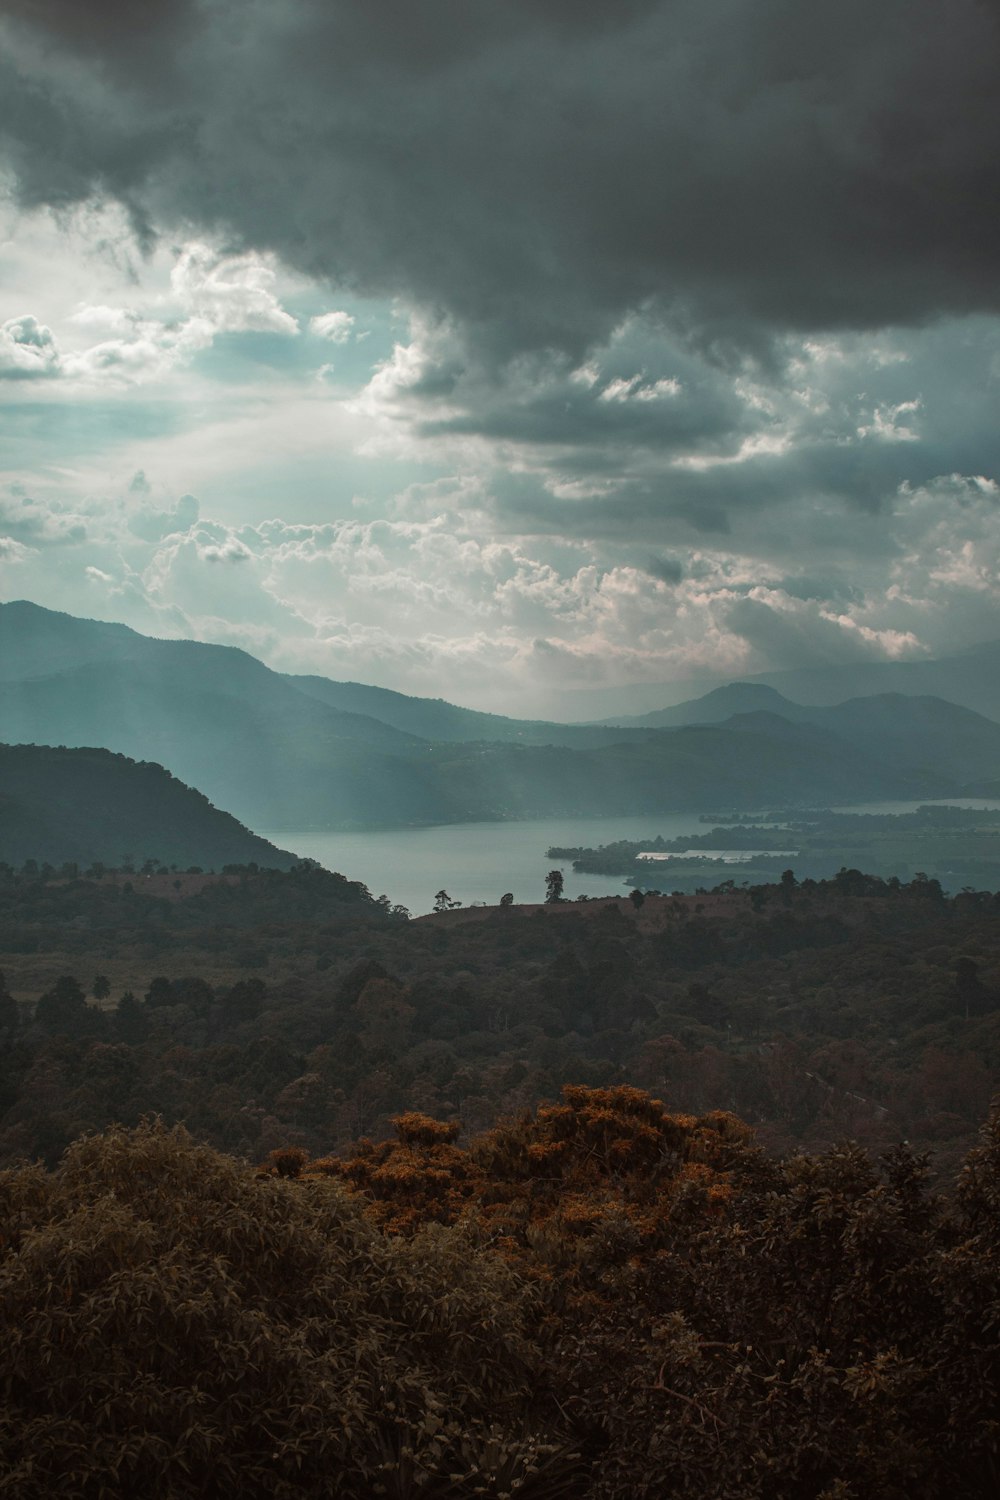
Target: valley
column 277, row 754
column 450, row 1003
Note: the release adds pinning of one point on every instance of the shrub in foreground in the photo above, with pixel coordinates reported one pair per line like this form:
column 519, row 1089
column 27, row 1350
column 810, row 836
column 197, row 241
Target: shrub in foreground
column 176, row 1327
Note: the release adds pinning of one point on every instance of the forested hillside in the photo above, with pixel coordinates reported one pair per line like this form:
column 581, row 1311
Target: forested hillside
column 80, row 807
column 271, row 1009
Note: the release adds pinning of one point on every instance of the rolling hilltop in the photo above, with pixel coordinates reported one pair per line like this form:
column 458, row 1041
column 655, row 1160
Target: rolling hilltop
column 91, row 806
column 304, row 752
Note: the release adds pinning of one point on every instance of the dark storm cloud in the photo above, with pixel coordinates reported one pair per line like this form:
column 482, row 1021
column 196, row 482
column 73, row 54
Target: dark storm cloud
column 668, row 570
column 798, row 640
column 837, row 434
column 686, row 512
column 728, row 500
column 535, row 170
column 111, row 24
column 708, row 411
column 823, row 590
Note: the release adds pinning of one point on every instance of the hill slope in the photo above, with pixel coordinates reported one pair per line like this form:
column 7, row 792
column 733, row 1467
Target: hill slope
column 217, row 717
column 442, row 722
column 91, row 806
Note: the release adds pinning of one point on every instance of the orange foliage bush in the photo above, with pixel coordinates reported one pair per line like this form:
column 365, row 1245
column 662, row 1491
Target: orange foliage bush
column 542, row 1184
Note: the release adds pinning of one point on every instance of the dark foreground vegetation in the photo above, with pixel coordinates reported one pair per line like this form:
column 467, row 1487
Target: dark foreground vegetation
column 602, row 1300
column 457, row 1246
column 266, row 1008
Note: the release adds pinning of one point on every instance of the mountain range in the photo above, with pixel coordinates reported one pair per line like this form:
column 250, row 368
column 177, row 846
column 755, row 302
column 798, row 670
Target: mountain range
column 970, row 678
column 296, row 752
column 923, row 732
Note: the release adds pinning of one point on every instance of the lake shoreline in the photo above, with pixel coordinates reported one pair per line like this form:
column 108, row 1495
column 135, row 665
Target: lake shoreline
column 482, row 860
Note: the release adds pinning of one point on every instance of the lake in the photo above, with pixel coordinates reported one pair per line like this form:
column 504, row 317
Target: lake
column 475, row 861
column 480, row 861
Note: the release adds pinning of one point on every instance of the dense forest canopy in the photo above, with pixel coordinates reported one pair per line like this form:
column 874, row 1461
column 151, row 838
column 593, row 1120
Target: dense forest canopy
column 603, row 1301
column 582, row 1201
column 266, row 1008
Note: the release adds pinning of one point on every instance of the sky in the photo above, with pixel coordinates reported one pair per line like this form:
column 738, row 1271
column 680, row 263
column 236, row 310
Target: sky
column 505, row 352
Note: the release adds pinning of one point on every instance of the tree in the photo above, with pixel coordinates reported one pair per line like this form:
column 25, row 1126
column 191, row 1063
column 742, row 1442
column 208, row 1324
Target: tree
column 101, row 987
column 384, row 1015
column 160, row 992
column 154, row 1287
column 9, row 1014
column 243, row 1002
column 131, row 1023
column 554, row 886
column 442, row 901
column 636, row 897
column 507, row 899
column 63, row 1008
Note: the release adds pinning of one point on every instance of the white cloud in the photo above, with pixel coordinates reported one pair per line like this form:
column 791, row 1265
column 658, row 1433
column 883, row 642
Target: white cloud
column 587, row 374
column 151, row 522
column 433, row 605
column 659, row 390
column 151, row 353
column 229, row 551
column 116, row 319
column 106, row 319
column 231, row 293
column 42, row 523
column 890, row 423
column 335, row 326
column 620, row 389
column 27, row 350
column 12, row 551
column 637, row 388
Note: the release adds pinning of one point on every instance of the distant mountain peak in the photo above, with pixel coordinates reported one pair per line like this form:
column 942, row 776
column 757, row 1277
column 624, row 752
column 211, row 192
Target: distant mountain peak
column 715, row 706
column 753, row 694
